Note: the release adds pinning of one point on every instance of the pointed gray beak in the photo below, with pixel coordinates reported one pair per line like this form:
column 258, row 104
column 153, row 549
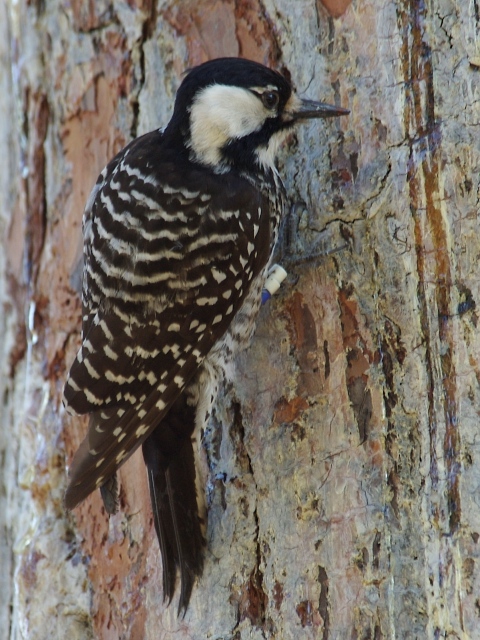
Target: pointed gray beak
column 312, row 109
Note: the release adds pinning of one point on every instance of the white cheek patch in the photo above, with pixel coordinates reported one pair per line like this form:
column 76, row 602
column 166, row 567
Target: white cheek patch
column 221, row 113
column 266, row 155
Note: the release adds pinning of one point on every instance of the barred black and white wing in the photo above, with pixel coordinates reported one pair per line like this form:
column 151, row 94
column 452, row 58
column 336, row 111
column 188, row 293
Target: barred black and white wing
column 170, row 252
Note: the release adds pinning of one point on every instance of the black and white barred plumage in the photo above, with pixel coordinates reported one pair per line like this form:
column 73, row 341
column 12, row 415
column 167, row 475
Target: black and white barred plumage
column 179, row 231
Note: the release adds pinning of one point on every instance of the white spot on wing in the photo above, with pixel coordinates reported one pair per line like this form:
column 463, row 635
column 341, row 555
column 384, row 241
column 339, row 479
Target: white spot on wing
column 218, row 276
column 119, row 379
column 202, row 302
column 71, row 383
column 92, row 372
column 106, row 330
column 151, row 377
column 141, row 430
column 120, row 456
column 91, row 398
column 110, row 353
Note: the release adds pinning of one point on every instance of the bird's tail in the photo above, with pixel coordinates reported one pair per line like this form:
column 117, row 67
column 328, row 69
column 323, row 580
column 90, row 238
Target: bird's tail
column 169, row 456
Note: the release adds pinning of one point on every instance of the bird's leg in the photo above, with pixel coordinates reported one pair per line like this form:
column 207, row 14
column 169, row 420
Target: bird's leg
column 289, row 253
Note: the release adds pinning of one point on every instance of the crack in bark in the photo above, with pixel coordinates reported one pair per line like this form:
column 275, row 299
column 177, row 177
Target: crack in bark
column 35, row 128
column 324, row 602
column 148, row 29
column 255, row 601
column 391, row 350
column 381, row 186
column 358, row 361
column 423, row 171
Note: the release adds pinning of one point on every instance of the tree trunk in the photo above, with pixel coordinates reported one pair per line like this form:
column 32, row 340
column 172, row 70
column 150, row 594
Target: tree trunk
column 342, row 477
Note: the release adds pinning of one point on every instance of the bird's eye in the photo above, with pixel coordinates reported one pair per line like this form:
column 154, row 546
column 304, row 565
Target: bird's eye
column 270, row 99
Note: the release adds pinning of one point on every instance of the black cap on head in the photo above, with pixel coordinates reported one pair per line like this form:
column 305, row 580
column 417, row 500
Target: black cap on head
column 229, row 71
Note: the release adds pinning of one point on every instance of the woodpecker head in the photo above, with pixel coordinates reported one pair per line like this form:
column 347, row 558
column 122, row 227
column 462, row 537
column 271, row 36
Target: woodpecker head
column 234, row 112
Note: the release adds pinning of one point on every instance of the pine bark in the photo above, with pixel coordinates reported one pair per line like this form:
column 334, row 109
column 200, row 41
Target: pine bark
column 342, row 463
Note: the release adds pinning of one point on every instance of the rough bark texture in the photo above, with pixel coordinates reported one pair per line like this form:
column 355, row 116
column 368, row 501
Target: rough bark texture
column 343, row 464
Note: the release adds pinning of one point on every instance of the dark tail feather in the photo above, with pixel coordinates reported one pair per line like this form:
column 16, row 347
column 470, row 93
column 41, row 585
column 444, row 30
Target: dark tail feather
column 163, row 522
column 175, row 512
